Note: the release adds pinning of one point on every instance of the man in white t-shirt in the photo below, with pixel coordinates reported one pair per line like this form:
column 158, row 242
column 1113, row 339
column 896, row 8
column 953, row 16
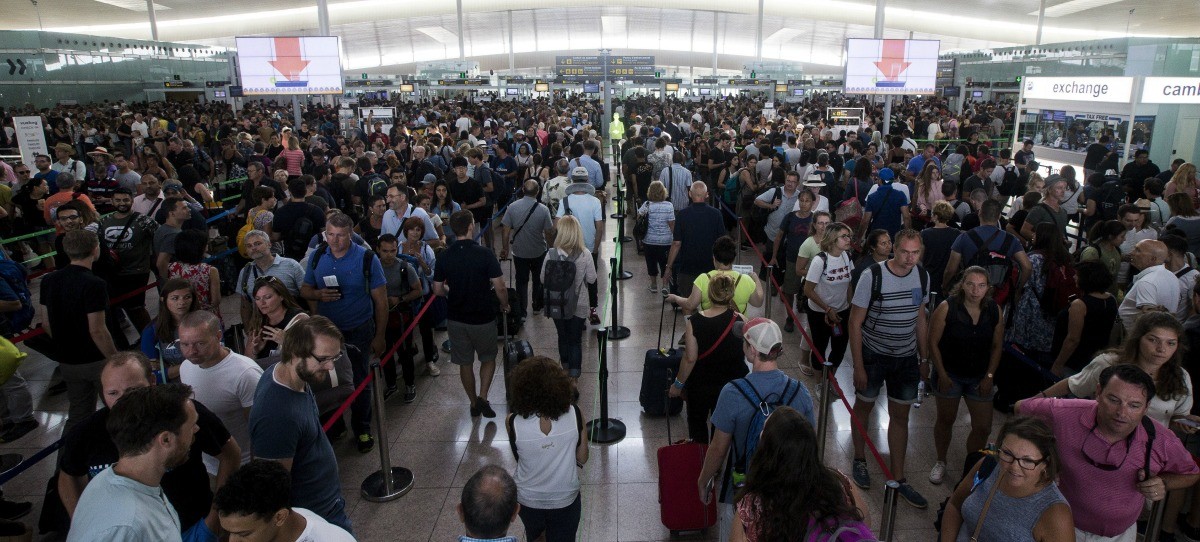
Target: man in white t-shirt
column 253, row 505
column 1155, row 288
column 222, row 379
column 1177, row 264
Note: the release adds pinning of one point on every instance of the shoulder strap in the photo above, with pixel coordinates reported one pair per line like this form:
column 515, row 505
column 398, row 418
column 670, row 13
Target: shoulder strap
column 725, row 333
column 1151, row 432
column 316, row 257
column 512, row 435
column 876, row 284
column 532, row 208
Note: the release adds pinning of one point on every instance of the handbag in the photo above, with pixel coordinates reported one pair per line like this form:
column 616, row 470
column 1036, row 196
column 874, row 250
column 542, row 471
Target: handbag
column 849, row 212
column 641, row 226
column 986, row 505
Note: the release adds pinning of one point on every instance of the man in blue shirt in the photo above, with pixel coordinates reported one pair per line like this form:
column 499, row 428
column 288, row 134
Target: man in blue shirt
column 918, row 162
column 886, row 208
column 337, row 278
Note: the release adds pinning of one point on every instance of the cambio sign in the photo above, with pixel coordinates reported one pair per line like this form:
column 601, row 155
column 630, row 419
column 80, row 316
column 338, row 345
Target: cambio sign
column 1084, row 89
column 1171, row 90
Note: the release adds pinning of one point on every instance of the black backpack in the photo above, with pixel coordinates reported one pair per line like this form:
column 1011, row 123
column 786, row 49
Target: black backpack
column 998, row 265
column 295, row 240
column 1110, row 198
column 559, row 286
column 1011, row 184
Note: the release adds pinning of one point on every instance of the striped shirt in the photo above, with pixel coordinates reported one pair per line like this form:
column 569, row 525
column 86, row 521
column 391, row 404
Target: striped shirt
column 891, row 323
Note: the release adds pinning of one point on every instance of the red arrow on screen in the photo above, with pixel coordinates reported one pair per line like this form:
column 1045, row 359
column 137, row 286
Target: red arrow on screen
column 891, row 63
column 288, row 61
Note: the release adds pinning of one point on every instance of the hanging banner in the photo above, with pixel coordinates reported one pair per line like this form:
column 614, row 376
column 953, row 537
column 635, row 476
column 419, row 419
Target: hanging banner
column 31, row 138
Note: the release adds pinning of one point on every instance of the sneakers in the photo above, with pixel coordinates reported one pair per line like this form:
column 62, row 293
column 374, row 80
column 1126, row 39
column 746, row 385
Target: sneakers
column 937, row 473
column 13, row 511
column 446, row 346
column 390, row 391
column 432, row 368
column 410, row 394
column 789, row 326
column 365, row 443
column 859, row 474
column 475, row 411
column 485, row 408
column 911, row 496
column 594, row 318
column 653, row 287
column 18, row 430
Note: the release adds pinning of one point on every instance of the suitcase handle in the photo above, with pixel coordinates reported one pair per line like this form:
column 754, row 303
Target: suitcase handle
column 667, row 404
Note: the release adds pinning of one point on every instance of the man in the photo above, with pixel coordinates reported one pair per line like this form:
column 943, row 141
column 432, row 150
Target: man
column 466, row 274
column 88, row 449
column 1135, row 173
column 697, row 229
column 285, row 426
column 963, row 251
column 76, row 302
column 917, row 164
column 1049, row 210
column 1155, row 288
column 65, row 162
column 1025, row 158
column 468, row 192
column 404, row 287
column 488, row 506
column 529, row 229
column 126, row 177
column 1165, row 176
column 886, row 206
column 1177, row 264
column 555, row 189
column 254, row 505
column 762, row 345
column 148, row 202
column 139, row 126
column 580, row 201
column 264, row 263
column 153, row 429
column 255, row 177
column 400, row 209
column 66, row 184
column 1096, row 154
column 1004, row 164
column 42, row 163
column 982, row 179
column 888, row 334
column 223, row 380
column 678, row 180
column 1102, row 447
column 178, row 212
column 297, row 220
column 131, row 235
column 779, row 202
column 176, row 155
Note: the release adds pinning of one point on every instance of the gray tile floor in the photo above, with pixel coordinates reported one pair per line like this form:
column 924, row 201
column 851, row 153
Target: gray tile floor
column 437, row 439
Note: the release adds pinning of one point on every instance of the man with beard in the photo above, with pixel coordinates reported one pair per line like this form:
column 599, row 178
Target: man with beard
column 285, row 426
column 88, row 450
column 153, row 429
column 131, row 235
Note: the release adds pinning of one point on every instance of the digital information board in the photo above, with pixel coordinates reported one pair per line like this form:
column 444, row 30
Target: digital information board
column 895, row 67
column 290, row 65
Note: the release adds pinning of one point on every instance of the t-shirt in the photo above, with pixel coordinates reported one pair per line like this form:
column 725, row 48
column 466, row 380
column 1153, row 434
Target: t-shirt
column 164, row 239
column 795, row 230
column 468, row 193
column 134, row 244
column 468, row 270
column 742, row 290
column 285, row 424
column 528, row 222
column 88, row 450
column 1154, row 286
column 891, row 322
column 831, row 280
column 885, row 206
column 114, row 507
column 697, row 230
column 935, row 257
column 356, row 306
column 400, row 278
column 585, row 208
column 70, row 294
column 227, row 389
column 287, row 215
column 775, row 219
column 319, row 530
column 1042, row 213
column 392, row 222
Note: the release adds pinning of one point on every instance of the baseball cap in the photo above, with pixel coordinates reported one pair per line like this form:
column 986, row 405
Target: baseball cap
column 886, row 174
column 520, row 132
column 429, row 179
column 762, row 334
column 579, row 173
column 172, row 185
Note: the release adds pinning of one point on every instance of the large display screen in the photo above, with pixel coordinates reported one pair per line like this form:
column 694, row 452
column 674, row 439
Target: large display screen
column 891, row 66
column 290, row 65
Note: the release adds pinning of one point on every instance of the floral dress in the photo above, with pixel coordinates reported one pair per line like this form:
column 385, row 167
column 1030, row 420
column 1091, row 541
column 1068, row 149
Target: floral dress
column 197, row 274
column 1031, row 329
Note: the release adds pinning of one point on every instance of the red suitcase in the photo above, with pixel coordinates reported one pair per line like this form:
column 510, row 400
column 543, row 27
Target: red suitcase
column 679, row 466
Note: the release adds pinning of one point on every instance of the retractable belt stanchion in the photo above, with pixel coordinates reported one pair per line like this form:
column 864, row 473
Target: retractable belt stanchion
column 604, row 430
column 615, row 332
column 739, row 240
column 1154, row 521
column 888, row 525
column 387, row 483
column 618, row 270
column 826, row 406
column 767, row 305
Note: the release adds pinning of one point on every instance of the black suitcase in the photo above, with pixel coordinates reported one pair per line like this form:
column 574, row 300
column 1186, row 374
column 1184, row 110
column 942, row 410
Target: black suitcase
column 510, row 320
column 658, row 372
column 515, row 351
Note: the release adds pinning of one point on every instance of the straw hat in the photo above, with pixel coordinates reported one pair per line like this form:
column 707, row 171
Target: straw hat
column 65, row 147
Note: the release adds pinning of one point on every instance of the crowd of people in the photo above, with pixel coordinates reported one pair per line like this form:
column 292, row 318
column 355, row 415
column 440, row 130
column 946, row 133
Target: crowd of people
column 933, row 259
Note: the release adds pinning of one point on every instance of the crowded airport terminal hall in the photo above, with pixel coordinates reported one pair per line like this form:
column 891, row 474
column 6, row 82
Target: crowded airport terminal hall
column 555, row 271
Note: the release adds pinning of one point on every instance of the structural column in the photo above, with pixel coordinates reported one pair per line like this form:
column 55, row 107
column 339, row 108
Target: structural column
column 323, row 17
column 758, row 33
column 512, row 55
column 1041, row 19
column 716, row 19
column 462, row 50
column 880, row 8
column 153, row 21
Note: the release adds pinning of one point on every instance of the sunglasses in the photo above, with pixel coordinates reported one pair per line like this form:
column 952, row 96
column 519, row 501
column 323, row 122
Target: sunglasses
column 327, row 359
column 265, row 279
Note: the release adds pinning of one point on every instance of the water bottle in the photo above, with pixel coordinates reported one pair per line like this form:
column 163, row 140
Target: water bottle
column 920, row 394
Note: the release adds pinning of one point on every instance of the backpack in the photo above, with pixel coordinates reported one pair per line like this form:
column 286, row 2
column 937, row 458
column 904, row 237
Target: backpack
column 760, row 213
column 833, row 530
column 366, row 263
column 502, row 188
column 997, row 263
column 1110, row 198
column 558, row 288
column 952, row 167
column 15, row 276
column 1010, row 184
column 732, row 188
column 877, row 283
column 1060, row 288
column 241, row 233
column 426, row 285
column 295, row 241
column 376, row 185
column 763, row 407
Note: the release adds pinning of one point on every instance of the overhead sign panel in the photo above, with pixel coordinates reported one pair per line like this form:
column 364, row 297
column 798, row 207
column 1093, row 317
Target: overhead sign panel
column 891, row 66
column 1171, row 90
column 1086, row 89
column 596, row 60
column 290, row 65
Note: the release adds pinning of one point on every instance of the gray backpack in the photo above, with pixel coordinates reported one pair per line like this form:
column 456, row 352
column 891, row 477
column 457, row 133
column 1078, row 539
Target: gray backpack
column 558, row 288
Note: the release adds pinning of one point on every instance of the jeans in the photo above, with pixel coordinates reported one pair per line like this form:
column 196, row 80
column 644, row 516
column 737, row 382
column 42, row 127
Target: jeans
column 16, row 404
column 524, row 268
column 339, row 517
column 656, row 259
column 358, row 345
column 559, row 524
column 403, row 356
column 570, row 343
column 83, row 386
column 593, row 288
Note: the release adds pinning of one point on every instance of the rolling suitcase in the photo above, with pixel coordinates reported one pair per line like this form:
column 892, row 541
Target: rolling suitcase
column 658, row 372
column 679, row 466
column 516, row 350
column 516, row 313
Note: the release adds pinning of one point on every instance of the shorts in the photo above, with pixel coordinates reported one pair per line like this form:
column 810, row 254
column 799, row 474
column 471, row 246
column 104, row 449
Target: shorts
column 792, row 283
column 122, row 284
column 960, row 387
column 901, row 374
column 467, row 340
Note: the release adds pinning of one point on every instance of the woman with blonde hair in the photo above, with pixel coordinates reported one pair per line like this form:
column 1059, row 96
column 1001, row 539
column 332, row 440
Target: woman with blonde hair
column 569, row 248
column 659, row 235
column 827, row 287
column 1184, row 181
column 293, row 157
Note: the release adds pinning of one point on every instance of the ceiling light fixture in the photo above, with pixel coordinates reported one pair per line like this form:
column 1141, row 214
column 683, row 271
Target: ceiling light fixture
column 1074, row 6
column 132, row 5
column 439, row 34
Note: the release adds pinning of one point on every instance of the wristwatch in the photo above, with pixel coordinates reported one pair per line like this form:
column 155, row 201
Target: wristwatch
column 990, row 375
column 678, row 384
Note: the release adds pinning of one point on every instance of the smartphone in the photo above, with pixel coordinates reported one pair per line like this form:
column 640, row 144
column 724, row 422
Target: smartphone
column 1189, row 422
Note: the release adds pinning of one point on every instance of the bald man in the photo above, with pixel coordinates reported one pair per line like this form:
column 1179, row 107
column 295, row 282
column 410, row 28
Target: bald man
column 697, row 228
column 1153, row 289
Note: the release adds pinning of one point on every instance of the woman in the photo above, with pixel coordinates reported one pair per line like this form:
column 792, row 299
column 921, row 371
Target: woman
column 796, row 229
column 234, row 164
column 728, row 188
column 712, row 356
column 1018, row 501
column 827, row 287
column 967, row 332
column 1186, row 219
column 190, row 246
column 1032, row 330
column 938, row 242
column 29, row 204
column 1184, row 181
column 545, row 433
column 789, row 494
column 152, row 164
column 293, row 157
column 1155, row 345
column 1084, row 328
column 421, row 256
column 160, row 338
column 274, row 311
column 1036, row 185
column 748, row 181
column 444, row 206
column 877, row 249
column 372, row 224
column 929, row 192
column 658, row 236
column 524, row 161
column 1104, row 246
column 568, row 247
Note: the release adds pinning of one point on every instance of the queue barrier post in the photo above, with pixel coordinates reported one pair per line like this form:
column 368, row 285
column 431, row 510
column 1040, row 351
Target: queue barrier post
column 739, row 240
column 618, row 270
column 616, row 331
column 826, row 406
column 887, row 526
column 604, row 430
column 1154, row 521
column 770, row 279
column 388, row 483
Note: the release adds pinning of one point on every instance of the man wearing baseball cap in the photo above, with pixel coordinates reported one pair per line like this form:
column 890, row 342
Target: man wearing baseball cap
column 581, row 202
column 766, row 385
